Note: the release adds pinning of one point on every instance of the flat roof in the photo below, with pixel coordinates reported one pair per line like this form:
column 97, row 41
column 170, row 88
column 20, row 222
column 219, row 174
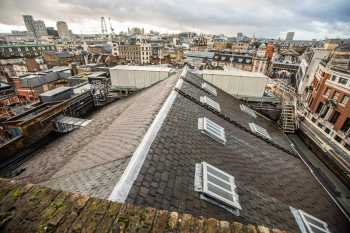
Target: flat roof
column 56, row 91
column 142, row 68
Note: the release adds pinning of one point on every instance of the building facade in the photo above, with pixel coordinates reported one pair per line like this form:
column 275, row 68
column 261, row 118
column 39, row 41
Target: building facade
column 37, row 27
column 260, row 61
column 62, row 29
column 242, row 61
column 290, row 36
column 23, row 50
column 139, row 53
column 40, row 28
column 328, row 103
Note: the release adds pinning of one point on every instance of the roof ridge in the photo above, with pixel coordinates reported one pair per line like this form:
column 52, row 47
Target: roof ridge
column 227, row 118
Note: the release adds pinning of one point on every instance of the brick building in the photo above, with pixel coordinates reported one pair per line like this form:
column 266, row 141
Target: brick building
column 329, row 105
column 53, row 58
column 138, row 53
column 31, row 85
column 16, row 67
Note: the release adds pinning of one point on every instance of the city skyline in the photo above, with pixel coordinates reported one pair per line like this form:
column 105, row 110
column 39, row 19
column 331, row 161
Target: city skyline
column 269, row 19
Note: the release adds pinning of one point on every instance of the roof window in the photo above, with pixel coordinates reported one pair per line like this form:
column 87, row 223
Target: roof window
column 247, row 110
column 209, row 88
column 308, row 223
column 212, row 129
column 211, row 103
column 216, row 187
column 259, row 130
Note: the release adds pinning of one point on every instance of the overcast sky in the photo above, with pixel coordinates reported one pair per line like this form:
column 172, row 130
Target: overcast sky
column 266, row 18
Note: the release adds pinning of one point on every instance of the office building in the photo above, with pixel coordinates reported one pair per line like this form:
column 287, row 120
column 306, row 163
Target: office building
column 290, row 36
column 63, row 30
column 40, row 28
column 37, row 27
column 29, row 23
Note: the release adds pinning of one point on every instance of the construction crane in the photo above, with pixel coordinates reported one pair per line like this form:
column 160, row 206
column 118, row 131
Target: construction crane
column 103, row 26
column 110, row 26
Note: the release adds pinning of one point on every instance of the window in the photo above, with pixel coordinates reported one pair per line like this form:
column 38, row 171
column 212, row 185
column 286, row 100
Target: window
column 347, row 146
column 212, row 129
column 327, row 92
column 311, row 100
column 320, row 125
column 324, row 111
column 327, row 130
column 334, row 77
column 308, row 223
column 216, row 187
column 247, row 110
column 259, row 130
column 320, row 106
column 342, row 81
column 346, row 125
column 313, row 119
column 209, row 88
column 317, row 86
column 334, row 117
column 211, row 103
column 337, row 138
column 335, row 95
column 344, row 100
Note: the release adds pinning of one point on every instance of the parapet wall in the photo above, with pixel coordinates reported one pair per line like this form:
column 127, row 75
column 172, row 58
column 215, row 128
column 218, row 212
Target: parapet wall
column 31, row 208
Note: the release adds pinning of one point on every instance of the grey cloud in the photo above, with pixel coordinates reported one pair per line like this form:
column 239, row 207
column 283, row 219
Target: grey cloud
column 264, row 17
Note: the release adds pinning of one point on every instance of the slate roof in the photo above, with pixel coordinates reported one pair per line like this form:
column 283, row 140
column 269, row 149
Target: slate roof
column 270, row 178
column 91, row 160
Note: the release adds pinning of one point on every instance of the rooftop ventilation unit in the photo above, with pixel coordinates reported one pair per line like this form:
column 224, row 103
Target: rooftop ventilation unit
column 212, row 129
column 209, row 88
column 247, row 110
column 259, row 130
column 308, row 223
column 216, row 187
column 211, row 103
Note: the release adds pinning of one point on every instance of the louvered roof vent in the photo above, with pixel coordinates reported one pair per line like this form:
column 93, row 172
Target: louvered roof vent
column 217, row 187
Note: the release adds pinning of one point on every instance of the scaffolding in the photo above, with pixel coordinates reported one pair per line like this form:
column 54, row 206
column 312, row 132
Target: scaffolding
column 288, row 120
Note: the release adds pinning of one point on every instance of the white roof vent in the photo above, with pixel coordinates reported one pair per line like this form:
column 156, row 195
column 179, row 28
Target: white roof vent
column 209, row 88
column 247, row 110
column 212, row 129
column 217, row 187
column 308, row 223
column 259, row 130
column 211, row 103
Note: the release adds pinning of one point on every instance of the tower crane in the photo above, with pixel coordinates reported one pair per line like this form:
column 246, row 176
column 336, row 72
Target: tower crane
column 110, row 26
column 103, row 26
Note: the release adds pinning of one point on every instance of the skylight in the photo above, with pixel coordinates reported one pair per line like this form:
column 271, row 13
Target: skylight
column 308, row 223
column 259, row 130
column 209, row 88
column 247, row 110
column 217, row 187
column 212, row 129
column 211, row 103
